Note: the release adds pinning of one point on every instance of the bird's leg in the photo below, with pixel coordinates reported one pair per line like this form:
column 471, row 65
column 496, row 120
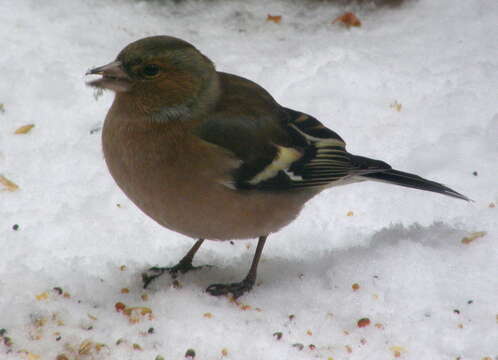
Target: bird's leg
column 239, row 288
column 183, row 266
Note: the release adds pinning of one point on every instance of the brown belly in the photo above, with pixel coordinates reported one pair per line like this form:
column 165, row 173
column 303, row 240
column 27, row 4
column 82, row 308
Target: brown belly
column 187, row 195
column 210, row 211
column 217, row 212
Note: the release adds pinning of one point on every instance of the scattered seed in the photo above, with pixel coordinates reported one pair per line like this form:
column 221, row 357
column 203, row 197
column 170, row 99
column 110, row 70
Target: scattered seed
column 24, row 129
column 95, row 130
column 355, row 287
column 274, row 18
column 122, row 267
column 298, row 346
column 125, row 291
column 8, row 184
column 363, row 322
column 142, row 310
column 396, row 106
column 348, row 19
column 350, row 213
column 475, row 235
column 397, row 350
column 119, row 306
column 190, row 353
column 137, row 347
column 42, row 296
column 278, row 335
column 85, row 347
column 58, row 290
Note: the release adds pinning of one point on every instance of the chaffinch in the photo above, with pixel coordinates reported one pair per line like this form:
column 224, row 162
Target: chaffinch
column 213, row 156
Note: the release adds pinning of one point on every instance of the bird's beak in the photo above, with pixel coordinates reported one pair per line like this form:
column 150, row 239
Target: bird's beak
column 113, row 77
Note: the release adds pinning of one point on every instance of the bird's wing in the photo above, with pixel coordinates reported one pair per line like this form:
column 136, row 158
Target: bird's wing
column 277, row 148
column 323, row 161
column 295, row 152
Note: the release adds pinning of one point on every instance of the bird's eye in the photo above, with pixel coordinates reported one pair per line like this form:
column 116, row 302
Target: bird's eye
column 151, row 71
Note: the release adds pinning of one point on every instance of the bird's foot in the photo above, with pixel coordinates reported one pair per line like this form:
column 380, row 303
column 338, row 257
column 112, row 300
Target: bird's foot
column 236, row 289
column 156, row 271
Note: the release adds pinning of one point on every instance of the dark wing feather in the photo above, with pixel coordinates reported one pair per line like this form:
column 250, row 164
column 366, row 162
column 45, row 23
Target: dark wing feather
column 324, row 158
column 279, row 148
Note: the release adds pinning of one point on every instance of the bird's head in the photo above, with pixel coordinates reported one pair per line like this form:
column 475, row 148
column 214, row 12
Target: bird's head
column 159, row 72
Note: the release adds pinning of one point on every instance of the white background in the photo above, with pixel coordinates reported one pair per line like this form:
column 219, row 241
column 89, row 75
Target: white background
column 438, row 59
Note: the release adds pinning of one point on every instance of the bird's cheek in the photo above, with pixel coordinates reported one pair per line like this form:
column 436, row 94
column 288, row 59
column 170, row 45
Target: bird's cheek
column 178, row 87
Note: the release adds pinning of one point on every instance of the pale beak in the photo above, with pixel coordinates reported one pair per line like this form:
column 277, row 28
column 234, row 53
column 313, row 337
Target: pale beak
column 113, row 77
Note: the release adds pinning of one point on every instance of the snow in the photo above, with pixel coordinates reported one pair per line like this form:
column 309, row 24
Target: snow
column 427, row 294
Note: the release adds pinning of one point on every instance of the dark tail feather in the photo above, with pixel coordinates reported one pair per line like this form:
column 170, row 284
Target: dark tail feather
column 413, row 181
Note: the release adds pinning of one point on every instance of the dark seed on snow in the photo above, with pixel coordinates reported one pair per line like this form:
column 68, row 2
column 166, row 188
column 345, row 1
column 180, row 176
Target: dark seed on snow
column 190, row 353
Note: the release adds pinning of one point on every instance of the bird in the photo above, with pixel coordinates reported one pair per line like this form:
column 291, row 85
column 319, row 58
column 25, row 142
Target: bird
column 212, row 155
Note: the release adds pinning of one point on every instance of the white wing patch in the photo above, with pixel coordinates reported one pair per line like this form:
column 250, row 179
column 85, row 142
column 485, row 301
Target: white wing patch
column 319, row 142
column 293, row 176
column 285, row 157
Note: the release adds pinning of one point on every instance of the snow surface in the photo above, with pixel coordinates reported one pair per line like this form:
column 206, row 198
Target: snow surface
column 427, row 294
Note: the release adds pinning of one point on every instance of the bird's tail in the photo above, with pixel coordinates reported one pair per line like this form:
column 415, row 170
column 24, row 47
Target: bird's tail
column 401, row 178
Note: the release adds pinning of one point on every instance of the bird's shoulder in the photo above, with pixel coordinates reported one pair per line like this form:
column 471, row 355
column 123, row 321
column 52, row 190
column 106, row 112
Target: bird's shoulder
column 238, row 94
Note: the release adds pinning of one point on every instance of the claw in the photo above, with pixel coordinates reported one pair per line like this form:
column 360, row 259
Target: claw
column 156, row 271
column 236, row 289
